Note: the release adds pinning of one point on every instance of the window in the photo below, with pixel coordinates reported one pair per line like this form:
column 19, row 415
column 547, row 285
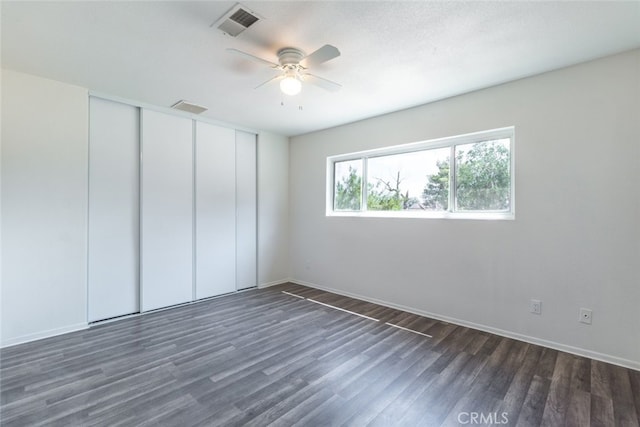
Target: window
column 468, row 176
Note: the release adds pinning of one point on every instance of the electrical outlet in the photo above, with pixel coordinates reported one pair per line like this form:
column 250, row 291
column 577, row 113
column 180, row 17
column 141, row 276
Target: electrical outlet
column 585, row 316
column 535, row 306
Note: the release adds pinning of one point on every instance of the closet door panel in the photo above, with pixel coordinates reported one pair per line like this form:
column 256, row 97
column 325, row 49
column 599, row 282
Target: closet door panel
column 215, row 210
column 166, row 210
column 246, row 205
column 113, row 248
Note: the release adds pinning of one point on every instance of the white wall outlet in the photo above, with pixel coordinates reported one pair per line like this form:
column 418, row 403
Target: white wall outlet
column 535, row 306
column 585, row 316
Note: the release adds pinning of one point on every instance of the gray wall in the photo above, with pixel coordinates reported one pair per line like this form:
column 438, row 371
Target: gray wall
column 273, row 208
column 44, row 207
column 575, row 241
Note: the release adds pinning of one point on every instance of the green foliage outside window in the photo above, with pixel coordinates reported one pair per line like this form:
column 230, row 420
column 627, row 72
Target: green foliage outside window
column 348, row 192
column 483, row 182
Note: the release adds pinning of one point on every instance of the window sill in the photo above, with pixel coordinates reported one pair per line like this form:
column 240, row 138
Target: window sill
column 504, row 216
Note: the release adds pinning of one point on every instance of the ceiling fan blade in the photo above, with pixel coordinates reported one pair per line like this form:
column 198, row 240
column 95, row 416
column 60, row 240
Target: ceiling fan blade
column 321, row 82
column 324, row 54
column 253, row 57
column 273, row 79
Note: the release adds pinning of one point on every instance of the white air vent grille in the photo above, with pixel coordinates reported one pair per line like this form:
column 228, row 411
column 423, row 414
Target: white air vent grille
column 244, row 18
column 235, row 21
column 189, row 107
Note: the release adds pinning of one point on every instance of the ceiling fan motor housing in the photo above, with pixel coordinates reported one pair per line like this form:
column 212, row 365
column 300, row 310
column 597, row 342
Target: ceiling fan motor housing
column 289, row 56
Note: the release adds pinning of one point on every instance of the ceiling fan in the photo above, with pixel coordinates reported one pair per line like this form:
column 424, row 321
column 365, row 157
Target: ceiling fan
column 294, row 65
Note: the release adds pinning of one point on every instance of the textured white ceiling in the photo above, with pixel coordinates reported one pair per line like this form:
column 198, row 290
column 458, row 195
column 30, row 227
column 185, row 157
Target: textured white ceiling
column 394, row 54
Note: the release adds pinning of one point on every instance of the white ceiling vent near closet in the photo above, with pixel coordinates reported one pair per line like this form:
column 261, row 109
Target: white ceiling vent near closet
column 189, row 107
column 236, row 20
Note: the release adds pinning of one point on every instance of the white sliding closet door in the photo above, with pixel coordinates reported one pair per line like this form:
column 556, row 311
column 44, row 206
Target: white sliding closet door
column 246, row 205
column 215, row 210
column 166, row 210
column 114, row 153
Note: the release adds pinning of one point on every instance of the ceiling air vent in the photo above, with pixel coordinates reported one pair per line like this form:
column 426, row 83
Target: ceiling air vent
column 189, row 107
column 235, row 21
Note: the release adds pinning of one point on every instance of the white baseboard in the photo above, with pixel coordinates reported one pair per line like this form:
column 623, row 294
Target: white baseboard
column 274, row 283
column 626, row 363
column 44, row 334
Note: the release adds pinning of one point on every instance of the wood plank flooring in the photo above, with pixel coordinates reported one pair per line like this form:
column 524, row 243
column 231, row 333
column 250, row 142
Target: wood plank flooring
column 265, row 357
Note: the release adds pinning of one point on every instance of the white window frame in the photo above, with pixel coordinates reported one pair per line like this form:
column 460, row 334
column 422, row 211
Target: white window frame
column 450, row 142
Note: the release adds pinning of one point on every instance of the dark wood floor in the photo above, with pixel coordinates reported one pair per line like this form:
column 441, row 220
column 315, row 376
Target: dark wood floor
column 266, row 357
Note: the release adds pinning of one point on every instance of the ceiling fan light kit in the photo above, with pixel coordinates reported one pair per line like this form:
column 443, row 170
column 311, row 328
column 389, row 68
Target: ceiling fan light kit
column 293, row 73
column 290, row 85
